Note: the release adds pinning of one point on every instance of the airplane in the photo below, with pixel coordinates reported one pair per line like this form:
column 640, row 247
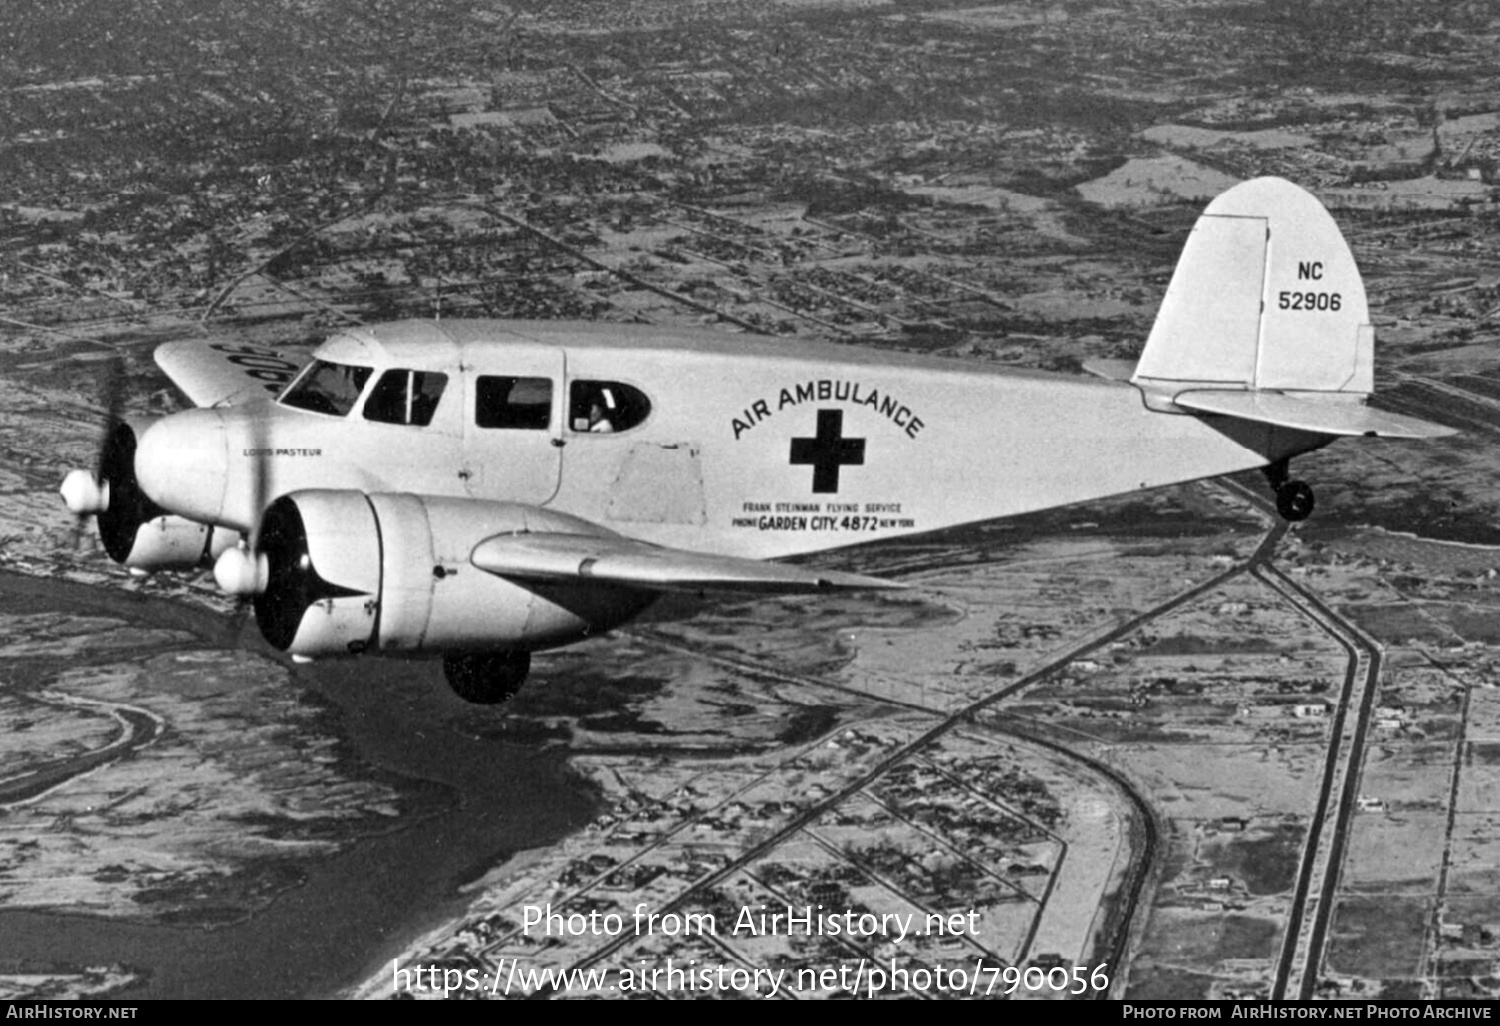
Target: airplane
column 483, row 489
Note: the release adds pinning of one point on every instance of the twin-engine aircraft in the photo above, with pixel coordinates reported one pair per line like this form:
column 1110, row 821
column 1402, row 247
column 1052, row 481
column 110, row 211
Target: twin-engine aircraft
column 485, row 489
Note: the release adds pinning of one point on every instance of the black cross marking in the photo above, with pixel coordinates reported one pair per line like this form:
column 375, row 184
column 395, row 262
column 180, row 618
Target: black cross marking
column 828, row 451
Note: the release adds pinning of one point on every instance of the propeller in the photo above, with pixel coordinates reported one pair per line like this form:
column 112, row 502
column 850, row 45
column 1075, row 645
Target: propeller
column 271, row 572
column 86, row 493
column 243, row 571
column 110, row 491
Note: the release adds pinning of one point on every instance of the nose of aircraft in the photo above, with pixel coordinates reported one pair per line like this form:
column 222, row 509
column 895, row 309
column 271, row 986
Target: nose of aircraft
column 182, row 464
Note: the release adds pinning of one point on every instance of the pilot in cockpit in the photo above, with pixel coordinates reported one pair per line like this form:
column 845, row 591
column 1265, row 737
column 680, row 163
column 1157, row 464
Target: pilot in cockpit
column 594, row 409
column 599, row 422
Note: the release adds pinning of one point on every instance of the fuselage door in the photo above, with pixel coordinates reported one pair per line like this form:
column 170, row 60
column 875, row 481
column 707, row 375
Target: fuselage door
column 513, row 419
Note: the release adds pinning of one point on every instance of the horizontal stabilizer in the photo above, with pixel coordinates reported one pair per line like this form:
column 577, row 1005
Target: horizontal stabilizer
column 1319, row 416
column 1111, row 370
column 615, row 560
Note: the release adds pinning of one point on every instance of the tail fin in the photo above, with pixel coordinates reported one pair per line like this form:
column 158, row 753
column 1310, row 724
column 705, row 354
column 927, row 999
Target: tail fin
column 1265, row 319
column 1265, row 295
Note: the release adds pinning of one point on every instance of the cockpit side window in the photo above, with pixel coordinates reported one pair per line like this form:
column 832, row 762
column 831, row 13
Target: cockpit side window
column 405, row 397
column 513, row 403
column 605, row 407
column 331, row 388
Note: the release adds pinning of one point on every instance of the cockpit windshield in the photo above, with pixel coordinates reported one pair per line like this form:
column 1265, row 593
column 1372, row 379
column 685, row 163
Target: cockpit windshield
column 331, row 388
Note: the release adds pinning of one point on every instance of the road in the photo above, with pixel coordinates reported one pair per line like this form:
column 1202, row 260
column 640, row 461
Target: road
column 1313, row 901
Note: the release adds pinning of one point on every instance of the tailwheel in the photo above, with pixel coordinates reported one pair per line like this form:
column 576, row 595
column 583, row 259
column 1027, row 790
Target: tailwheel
column 1294, row 500
column 486, row 678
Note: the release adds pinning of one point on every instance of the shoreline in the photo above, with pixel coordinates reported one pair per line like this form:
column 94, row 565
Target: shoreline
column 470, row 805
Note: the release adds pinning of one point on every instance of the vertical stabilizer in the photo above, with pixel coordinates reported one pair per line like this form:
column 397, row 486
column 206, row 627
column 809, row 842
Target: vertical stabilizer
column 1266, row 296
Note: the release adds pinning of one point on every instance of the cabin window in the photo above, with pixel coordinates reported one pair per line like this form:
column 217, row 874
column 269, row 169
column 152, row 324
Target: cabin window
column 405, row 397
column 605, row 407
column 331, row 388
column 513, row 403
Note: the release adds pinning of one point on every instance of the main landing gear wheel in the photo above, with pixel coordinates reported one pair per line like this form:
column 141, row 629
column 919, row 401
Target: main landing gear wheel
column 487, row 678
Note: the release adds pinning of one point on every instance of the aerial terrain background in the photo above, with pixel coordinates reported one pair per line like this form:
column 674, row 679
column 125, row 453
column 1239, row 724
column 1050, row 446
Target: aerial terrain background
column 1164, row 734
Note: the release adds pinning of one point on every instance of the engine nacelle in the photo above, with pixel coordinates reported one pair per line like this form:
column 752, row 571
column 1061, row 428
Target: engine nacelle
column 134, row 530
column 348, row 572
column 176, row 543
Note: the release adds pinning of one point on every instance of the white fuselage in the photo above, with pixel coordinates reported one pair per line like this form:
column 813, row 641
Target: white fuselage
column 747, row 448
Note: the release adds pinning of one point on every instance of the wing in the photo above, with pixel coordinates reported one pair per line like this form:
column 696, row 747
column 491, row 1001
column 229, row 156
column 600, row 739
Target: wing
column 615, row 560
column 225, row 373
column 1304, row 414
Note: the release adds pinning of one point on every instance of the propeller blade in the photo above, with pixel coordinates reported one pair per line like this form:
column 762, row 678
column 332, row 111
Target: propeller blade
column 87, row 492
column 243, row 571
column 112, row 396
